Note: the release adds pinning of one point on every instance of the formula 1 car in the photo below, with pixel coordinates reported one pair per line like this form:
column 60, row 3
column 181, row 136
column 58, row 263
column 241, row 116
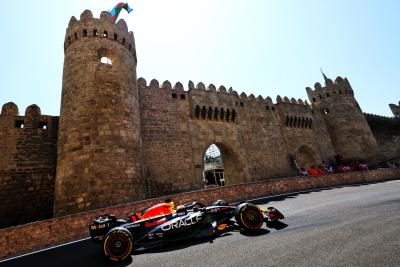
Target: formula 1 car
column 163, row 224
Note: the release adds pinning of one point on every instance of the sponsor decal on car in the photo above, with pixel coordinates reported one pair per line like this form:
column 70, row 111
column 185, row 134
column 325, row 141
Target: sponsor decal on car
column 133, row 225
column 155, row 223
column 99, row 226
column 181, row 223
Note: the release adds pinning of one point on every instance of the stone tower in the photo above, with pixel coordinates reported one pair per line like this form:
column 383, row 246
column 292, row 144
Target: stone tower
column 346, row 123
column 99, row 143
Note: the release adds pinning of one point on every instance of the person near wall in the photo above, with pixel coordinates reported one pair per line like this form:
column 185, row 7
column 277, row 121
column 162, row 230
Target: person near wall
column 313, row 171
column 346, row 168
column 303, row 172
column 329, row 168
column 321, row 170
column 363, row 166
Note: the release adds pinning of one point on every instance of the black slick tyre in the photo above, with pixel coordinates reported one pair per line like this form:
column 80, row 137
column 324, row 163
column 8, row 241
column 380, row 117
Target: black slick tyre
column 118, row 244
column 249, row 217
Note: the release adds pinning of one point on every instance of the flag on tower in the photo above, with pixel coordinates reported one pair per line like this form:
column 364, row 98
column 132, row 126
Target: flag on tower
column 117, row 9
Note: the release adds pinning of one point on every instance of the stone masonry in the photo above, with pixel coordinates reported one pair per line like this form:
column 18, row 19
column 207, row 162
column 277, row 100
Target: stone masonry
column 120, row 139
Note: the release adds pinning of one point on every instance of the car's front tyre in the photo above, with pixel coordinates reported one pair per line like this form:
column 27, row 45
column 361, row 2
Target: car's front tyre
column 249, row 216
column 118, row 244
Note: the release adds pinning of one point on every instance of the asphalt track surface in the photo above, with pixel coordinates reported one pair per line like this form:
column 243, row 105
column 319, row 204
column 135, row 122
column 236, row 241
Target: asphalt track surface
column 343, row 226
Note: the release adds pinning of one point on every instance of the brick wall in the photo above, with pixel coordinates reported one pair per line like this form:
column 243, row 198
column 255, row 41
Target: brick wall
column 42, row 234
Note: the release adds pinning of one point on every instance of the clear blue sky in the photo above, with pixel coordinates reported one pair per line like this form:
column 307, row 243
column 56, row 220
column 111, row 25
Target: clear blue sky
column 264, row 47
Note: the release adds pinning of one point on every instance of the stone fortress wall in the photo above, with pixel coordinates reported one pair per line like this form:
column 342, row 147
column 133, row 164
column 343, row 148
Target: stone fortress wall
column 27, row 164
column 119, row 139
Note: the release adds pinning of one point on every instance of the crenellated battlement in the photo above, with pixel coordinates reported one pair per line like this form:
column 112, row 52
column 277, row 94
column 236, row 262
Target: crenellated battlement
column 340, row 87
column 395, row 109
column 103, row 28
column 381, row 118
column 32, row 118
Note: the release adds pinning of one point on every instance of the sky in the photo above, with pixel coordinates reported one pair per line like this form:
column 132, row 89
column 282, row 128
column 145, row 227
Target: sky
column 263, row 47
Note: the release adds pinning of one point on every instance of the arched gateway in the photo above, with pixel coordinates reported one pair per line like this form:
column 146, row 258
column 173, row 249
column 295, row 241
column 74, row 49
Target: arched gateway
column 221, row 166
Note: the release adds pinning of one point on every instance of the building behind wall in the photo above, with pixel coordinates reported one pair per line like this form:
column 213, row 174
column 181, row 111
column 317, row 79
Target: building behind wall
column 120, row 139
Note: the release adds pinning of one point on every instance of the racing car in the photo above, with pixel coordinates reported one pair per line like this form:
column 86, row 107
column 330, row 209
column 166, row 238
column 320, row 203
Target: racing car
column 163, row 224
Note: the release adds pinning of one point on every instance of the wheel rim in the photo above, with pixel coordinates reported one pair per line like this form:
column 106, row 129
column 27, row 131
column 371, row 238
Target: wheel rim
column 118, row 246
column 251, row 217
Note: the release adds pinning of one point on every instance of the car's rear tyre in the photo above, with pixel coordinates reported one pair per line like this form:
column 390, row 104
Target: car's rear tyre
column 249, row 217
column 118, row 244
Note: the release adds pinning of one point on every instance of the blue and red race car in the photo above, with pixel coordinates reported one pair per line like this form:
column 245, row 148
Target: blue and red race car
column 163, row 224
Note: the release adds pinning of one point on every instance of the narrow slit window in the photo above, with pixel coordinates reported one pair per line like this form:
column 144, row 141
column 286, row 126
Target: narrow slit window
column 84, row 33
column 197, row 112
column 43, row 125
column 210, row 113
column 216, row 113
column 19, row 124
column 233, row 118
column 115, row 36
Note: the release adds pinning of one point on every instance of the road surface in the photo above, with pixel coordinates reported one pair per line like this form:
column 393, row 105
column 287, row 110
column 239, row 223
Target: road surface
column 344, row 226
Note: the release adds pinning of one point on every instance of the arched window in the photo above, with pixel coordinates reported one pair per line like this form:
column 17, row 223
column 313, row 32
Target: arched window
column 295, row 122
column 299, row 122
column 216, row 113
column 302, row 123
column 228, row 115
column 222, row 114
column 203, row 113
column 106, row 60
column 291, row 121
column 306, row 123
column 94, row 32
column 115, row 36
column 233, row 117
column 84, row 33
column 197, row 112
column 105, row 34
column 209, row 113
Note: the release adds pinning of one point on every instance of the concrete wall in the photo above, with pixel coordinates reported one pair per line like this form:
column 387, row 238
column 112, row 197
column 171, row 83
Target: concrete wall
column 60, row 230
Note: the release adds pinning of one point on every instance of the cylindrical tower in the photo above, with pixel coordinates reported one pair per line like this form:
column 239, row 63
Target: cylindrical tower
column 99, row 144
column 345, row 121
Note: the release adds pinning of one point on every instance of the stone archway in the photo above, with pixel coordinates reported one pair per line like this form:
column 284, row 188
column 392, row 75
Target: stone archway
column 306, row 157
column 233, row 170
